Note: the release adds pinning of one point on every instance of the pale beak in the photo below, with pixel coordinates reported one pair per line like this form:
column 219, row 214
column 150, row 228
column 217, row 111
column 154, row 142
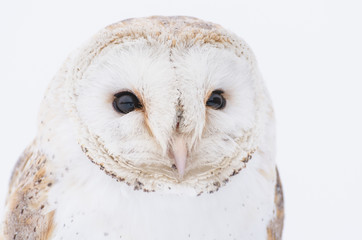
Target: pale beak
column 179, row 152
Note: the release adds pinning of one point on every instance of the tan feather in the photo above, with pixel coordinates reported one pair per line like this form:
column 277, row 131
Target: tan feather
column 275, row 227
column 27, row 216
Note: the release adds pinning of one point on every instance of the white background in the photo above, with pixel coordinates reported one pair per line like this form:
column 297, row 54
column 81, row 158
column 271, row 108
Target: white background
column 310, row 54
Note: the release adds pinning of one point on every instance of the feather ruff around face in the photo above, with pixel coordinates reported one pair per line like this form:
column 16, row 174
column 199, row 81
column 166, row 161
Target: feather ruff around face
column 175, row 34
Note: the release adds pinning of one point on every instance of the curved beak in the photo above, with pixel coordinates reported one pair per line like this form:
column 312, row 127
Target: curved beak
column 179, row 152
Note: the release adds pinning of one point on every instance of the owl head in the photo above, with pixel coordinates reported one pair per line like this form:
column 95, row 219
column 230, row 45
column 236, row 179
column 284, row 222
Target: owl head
column 166, row 102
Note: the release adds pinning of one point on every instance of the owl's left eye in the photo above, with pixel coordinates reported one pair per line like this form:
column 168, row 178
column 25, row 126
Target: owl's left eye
column 125, row 102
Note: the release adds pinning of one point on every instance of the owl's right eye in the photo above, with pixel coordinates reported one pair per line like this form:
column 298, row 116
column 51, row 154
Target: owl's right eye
column 216, row 100
column 125, row 102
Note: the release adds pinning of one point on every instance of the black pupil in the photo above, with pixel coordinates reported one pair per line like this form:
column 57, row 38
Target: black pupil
column 126, row 102
column 216, row 100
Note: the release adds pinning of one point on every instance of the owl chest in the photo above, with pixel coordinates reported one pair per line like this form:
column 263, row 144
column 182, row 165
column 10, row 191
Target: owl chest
column 101, row 208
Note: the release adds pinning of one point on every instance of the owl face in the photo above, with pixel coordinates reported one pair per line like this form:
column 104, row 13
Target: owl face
column 159, row 114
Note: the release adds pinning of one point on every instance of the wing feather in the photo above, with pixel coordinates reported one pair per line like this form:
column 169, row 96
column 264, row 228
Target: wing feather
column 275, row 227
column 27, row 214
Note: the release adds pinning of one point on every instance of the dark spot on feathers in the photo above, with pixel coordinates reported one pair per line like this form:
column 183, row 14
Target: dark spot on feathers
column 84, row 149
column 147, row 190
column 121, row 179
column 235, row 172
column 217, row 184
column 138, row 185
column 247, row 158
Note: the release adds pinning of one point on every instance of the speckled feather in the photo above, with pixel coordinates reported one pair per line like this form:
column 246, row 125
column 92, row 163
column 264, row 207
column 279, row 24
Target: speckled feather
column 27, row 215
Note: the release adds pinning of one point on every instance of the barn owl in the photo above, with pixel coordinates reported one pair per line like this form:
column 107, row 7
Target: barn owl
column 157, row 128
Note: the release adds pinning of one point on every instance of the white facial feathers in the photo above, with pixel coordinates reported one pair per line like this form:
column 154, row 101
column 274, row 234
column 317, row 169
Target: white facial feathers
column 142, row 70
column 172, row 76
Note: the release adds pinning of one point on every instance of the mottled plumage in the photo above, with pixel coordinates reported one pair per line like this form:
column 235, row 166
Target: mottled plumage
column 192, row 157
